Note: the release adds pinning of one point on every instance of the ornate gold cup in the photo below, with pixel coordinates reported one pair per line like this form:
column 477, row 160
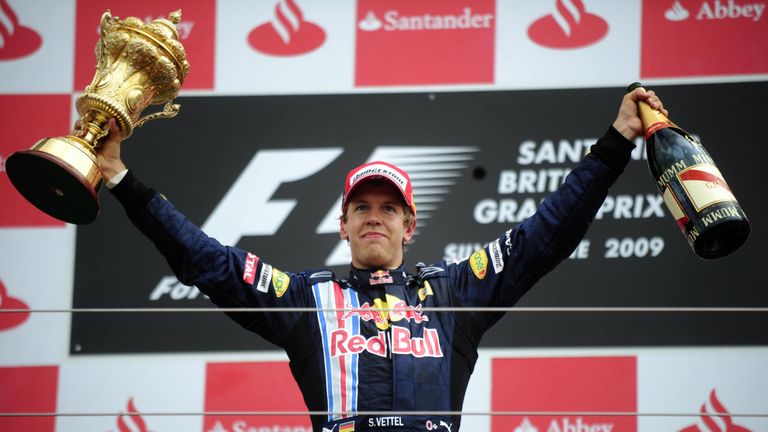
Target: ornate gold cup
column 139, row 64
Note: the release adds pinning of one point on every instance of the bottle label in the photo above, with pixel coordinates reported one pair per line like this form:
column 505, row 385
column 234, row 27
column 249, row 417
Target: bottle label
column 675, row 208
column 704, row 186
column 653, row 127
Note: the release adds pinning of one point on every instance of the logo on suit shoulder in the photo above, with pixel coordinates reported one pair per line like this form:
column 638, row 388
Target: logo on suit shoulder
column 479, row 263
column 280, row 282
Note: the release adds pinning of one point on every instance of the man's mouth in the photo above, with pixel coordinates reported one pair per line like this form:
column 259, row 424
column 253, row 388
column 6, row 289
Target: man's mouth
column 374, row 235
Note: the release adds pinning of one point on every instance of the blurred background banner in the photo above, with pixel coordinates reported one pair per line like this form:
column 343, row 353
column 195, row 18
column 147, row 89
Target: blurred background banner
column 488, row 104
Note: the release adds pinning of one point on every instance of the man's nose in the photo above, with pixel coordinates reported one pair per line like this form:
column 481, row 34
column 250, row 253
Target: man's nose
column 374, row 217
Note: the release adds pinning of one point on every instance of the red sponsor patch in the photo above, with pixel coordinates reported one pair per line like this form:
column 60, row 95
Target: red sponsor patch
column 249, row 272
column 253, row 386
column 703, row 37
column 20, row 129
column 287, row 33
column 402, row 42
column 28, row 390
column 569, row 25
column 566, row 384
column 16, row 40
column 197, row 31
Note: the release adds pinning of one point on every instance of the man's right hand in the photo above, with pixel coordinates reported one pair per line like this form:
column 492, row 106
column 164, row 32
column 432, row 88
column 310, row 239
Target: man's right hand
column 108, row 153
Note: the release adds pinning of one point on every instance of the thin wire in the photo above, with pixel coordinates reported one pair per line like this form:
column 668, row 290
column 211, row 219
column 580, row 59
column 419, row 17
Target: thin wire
column 404, row 310
column 388, row 413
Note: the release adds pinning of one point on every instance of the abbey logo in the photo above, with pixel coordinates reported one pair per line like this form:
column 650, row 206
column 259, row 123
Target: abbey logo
column 266, row 169
column 716, row 10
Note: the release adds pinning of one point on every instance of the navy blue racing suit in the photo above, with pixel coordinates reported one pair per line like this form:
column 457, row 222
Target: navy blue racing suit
column 364, row 358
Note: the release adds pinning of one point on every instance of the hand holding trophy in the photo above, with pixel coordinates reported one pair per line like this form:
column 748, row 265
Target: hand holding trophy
column 139, row 64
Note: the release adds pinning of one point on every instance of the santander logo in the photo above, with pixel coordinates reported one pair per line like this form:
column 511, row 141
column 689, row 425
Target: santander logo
column 10, row 320
column 677, row 12
column 714, row 418
column 16, row 41
column 569, row 26
column 287, row 34
column 132, row 421
column 717, row 10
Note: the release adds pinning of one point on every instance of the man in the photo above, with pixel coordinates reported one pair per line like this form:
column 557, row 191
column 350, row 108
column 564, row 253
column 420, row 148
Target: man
column 370, row 346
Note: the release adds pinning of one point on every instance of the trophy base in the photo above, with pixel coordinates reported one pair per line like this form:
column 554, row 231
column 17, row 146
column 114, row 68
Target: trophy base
column 59, row 178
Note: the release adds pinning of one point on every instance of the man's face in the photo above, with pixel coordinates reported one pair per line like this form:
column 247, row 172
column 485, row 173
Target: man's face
column 375, row 226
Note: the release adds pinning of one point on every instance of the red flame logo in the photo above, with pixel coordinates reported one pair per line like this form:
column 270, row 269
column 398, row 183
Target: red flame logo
column 288, row 33
column 15, row 40
column 719, row 421
column 10, row 320
column 570, row 26
column 133, row 422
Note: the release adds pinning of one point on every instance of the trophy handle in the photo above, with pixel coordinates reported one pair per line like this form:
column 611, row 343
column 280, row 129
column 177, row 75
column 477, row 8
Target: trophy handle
column 169, row 110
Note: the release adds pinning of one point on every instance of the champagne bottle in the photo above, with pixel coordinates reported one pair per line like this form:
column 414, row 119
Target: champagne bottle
column 692, row 186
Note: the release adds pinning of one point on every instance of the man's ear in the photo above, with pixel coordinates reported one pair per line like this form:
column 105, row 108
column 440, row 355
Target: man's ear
column 343, row 229
column 409, row 232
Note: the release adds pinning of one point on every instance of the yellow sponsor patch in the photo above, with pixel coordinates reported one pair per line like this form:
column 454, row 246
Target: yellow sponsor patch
column 425, row 291
column 280, row 282
column 479, row 263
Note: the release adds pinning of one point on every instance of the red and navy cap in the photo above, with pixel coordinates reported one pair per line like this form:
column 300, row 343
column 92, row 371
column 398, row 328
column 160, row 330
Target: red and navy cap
column 380, row 170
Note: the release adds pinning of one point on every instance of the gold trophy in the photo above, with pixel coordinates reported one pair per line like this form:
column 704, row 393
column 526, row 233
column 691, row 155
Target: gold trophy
column 139, row 64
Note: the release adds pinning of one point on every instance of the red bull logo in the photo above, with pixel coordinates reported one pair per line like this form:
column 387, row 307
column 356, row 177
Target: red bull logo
column 385, row 312
column 380, row 277
column 344, row 343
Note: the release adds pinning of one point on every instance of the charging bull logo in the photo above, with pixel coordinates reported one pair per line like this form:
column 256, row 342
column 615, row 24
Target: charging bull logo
column 384, row 312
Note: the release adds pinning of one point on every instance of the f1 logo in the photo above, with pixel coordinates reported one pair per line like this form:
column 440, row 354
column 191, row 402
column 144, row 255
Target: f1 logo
column 233, row 218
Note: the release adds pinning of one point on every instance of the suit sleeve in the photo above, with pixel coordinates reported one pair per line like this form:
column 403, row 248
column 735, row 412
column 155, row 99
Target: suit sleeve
column 504, row 270
column 230, row 276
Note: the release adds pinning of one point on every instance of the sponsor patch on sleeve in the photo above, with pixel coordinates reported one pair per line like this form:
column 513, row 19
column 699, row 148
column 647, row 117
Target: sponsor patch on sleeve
column 496, row 258
column 425, row 291
column 264, row 278
column 251, row 263
column 479, row 263
column 280, row 282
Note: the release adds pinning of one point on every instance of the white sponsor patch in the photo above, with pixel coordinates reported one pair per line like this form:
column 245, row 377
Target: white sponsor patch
column 264, row 277
column 496, row 258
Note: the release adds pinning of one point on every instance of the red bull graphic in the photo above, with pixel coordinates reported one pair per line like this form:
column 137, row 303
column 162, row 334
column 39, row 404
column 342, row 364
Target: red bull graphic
column 380, row 277
column 568, row 26
column 382, row 314
column 343, row 343
column 714, row 418
column 288, row 33
column 16, row 41
column 10, row 320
